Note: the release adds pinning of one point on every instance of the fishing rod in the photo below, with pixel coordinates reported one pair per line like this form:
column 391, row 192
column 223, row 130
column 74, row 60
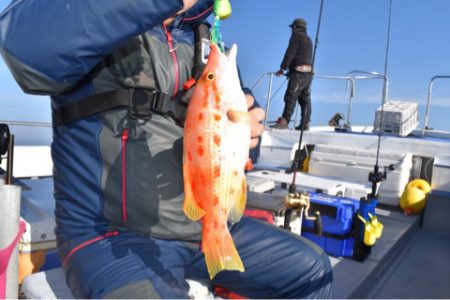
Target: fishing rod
column 376, row 176
column 302, row 125
column 317, row 34
column 368, row 204
column 295, row 200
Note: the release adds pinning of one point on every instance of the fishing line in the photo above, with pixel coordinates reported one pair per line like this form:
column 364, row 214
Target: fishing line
column 222, row 10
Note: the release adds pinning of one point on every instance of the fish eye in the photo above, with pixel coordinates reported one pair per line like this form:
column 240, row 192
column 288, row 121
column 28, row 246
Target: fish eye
column 210, row 76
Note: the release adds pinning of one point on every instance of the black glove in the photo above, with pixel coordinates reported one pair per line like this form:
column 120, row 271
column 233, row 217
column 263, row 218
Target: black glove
column 280, row 72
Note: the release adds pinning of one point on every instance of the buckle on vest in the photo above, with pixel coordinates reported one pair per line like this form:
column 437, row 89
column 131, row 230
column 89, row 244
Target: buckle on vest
column 142, row 103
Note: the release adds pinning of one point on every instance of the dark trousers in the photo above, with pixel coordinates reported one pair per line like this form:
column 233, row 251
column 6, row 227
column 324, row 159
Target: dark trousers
column 278, row 264
column 298, row 90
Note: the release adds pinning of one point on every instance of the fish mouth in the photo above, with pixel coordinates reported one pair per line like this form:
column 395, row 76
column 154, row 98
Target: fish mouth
column 230, row 54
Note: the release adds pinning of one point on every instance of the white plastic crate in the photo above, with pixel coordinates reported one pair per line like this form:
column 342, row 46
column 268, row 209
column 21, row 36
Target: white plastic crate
column 399, row 118
column 346, row 163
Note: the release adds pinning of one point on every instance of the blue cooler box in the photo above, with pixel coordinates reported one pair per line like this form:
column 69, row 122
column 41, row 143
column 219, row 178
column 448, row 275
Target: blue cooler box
column 338, row 214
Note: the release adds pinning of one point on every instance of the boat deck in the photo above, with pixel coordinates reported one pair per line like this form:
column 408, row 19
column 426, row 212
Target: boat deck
column 353, row 279
column 392, row 270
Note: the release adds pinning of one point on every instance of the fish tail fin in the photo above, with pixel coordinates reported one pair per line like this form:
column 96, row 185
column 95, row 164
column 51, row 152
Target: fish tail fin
column 223, row 256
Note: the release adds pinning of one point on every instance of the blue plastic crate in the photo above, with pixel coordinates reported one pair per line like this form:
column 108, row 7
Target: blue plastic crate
column 338, row 214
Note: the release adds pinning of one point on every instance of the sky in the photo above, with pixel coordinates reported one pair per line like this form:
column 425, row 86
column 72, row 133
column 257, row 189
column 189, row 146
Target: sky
column 353, row 35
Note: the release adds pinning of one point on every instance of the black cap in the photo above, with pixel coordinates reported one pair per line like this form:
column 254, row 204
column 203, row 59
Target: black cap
column 298, row 23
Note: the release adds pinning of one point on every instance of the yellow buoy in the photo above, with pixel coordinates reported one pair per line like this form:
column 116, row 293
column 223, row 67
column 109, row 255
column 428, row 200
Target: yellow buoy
column 420, row 184
column 412, row 200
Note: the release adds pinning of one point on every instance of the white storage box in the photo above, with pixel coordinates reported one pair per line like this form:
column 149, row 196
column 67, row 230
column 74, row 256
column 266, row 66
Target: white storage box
column 259, row 185
column 399, row 118
column 306, row 182
column 355, row 165
column 276, row 157
column 440, row 181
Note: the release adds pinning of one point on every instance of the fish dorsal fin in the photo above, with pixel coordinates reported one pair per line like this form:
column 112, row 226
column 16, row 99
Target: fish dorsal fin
column 238, row 208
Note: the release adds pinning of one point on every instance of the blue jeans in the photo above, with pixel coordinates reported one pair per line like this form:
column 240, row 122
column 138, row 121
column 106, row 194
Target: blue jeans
column 278, row 264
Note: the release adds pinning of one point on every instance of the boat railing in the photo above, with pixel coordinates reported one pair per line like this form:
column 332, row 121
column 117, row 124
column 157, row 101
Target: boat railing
column 430, row 91
column 364, row 75
column 29, row 124
column 351, row 79
column 269, row 92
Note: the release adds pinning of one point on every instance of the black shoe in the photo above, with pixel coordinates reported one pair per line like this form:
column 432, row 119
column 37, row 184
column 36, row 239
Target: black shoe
column 299, row 127
column 281, row 123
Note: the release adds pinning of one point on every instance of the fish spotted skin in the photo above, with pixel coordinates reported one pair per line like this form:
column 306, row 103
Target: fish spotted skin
column 216, row 145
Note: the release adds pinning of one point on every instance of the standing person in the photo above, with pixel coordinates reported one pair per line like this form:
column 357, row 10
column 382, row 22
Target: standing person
column 297, row 60
column 117, row 74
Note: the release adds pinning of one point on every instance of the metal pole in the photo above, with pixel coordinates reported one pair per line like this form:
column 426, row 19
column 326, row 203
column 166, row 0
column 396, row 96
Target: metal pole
column 28, row 124
column 9, row 224
column 350, row 102
column 10, row 160
column 430, row 88
column 269, row 93
column 259, row 81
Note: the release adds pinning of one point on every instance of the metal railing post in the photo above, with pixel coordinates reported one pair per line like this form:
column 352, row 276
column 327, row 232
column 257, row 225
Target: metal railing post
column 259, row 81
column 269, row 95
column 430, row 88
column 350, row 100
column 371, row 75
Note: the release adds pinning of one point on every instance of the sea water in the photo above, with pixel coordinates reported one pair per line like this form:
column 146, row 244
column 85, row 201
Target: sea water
column 362, row 114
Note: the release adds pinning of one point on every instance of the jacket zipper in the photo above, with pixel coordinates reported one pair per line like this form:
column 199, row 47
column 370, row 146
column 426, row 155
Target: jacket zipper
column 174, row 59
column 125, row 135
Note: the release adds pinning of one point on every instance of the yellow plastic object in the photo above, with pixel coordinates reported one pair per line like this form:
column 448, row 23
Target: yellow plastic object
column 420, row 184
column 222, row 9
column 369, row 232
column 30, row 262
column 377, row 225
column 412, row 200
column 305, row 168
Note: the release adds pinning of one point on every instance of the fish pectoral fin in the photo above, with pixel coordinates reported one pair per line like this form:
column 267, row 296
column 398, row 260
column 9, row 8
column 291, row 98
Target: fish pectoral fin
column 190, row 207
column 238, row 116
column 237, row 210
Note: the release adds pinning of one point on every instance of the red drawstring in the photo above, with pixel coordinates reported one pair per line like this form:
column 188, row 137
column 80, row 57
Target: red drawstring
column 88, row 242
column 125, row 134
column 174, row 58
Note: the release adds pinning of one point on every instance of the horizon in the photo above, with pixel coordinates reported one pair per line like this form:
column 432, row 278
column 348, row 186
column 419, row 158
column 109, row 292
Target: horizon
column 352, row 36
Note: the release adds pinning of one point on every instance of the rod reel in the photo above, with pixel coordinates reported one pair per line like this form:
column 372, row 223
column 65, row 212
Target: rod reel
column 4, row 139
column 301, row 202
column 7, row 146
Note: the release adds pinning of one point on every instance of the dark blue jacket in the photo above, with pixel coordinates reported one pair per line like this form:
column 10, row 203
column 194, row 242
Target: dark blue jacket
column 72, row 49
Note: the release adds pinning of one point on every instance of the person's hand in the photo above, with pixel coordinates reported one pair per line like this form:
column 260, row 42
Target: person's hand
column 280, row 72
column 187, row 4
column 256, row 115
column 253, row 117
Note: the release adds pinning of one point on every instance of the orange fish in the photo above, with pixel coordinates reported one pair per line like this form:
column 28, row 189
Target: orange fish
column 216, row 145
